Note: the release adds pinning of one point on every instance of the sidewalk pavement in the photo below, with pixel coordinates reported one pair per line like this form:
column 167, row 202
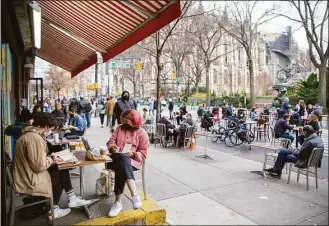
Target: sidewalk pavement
column 223, row 190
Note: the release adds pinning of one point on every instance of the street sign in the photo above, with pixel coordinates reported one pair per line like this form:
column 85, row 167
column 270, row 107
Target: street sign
column 120, row 64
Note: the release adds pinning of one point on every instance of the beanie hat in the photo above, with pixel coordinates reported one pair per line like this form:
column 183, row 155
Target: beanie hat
column 25, row 115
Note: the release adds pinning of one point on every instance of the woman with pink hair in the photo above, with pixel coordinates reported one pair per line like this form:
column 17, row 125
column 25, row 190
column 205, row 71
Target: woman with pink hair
column 128, row 134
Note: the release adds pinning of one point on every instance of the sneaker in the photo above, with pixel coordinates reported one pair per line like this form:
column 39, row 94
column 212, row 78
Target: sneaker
column 78, row 202
column 58, row 213
column 115, row 209
column 136, row 200
column 271, row 170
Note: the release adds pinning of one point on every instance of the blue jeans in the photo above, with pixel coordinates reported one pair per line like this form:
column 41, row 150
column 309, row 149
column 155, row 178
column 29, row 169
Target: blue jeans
column 288, row 136
column 284, row 156
column 88, row 119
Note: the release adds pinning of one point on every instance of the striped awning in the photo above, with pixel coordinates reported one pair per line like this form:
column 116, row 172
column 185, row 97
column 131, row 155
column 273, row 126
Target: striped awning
column 73, row 31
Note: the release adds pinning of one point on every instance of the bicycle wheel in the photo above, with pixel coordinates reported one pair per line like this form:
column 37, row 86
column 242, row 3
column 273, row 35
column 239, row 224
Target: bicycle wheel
column 250, row 136
column 214, row 139
column 230, row 140
column 222, row 133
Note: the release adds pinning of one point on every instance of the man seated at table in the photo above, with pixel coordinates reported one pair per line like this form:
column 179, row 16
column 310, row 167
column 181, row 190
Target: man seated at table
column 312, row 120
column 311, row 141
column 164, row 120
column 182, row 129
column 253, row 115
column 295, row 117
column 207, row 121
column 76, row 124
column 282, row 126
column 35, row 172
column 265, row 111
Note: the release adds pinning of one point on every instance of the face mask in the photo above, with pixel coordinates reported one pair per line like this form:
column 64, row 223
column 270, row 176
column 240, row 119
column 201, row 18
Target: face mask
column 71, row 115
column 125, row 97
column 128, row 127
column 47, row 133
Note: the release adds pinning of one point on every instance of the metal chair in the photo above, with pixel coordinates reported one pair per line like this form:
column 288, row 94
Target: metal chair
column 285, row 143
column 312, row 162
column 273, row 141
column 258, row 130
column 188, row 136
column 14, row 197
column 159, row 133
column 110, row 182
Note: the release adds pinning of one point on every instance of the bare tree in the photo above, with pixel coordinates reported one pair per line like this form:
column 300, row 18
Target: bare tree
column 240, row 21
column 196, row 66
column 208, row 37
column 315, row 24
column 228, row 76
column 179, row 46
column 57, row 79
column 156, row 44
column 133, row 76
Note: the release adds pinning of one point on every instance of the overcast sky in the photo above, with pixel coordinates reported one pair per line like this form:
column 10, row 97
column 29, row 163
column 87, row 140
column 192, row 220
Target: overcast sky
column 278, row 24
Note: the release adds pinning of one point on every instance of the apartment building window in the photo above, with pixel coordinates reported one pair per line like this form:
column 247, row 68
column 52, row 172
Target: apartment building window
column 248, row 79
column 215, row 76
column 239, row 79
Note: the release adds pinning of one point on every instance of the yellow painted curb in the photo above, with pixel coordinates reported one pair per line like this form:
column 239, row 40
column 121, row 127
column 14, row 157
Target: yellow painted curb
column 151, row 213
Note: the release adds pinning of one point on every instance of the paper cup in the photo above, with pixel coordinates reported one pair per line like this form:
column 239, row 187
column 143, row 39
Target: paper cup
column 102, row 150
column 72, row 146
column 56, row 137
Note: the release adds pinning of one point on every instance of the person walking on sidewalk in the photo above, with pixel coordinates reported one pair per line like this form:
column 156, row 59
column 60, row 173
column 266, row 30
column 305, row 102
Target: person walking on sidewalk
column 170, row 108
column 109, row 110
column 101, row 111
column 123, row 104
column 129, row 132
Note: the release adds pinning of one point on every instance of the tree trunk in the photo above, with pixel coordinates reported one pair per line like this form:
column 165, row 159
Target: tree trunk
column 208, row 85
column 134, row 88
column 158, row 85
column 323, row 86
column 252, row 83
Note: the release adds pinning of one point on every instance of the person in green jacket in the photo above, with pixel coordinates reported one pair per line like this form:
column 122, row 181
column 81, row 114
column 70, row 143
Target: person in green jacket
column 275, row 103
column 15, row 130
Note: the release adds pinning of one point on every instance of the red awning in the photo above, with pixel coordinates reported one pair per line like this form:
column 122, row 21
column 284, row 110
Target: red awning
column 72, row 31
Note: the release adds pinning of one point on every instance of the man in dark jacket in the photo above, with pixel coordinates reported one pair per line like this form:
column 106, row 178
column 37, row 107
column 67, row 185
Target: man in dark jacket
column 281, row 126
column 25, row 119
column 123, row 104
column 284, row 107
column 311, row 141
column 170, row 108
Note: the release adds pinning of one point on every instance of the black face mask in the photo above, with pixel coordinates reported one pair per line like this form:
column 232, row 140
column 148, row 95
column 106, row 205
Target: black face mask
column 71, row 115
column 125, row 97
column 128, row 127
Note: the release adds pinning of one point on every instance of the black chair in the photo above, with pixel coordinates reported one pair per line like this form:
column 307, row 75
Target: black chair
column 15, row 197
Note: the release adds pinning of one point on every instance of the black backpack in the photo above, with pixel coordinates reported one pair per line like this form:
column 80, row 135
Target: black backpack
column 88, row 107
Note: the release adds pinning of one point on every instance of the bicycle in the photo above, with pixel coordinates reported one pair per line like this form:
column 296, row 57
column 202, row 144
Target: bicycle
column 238, row 136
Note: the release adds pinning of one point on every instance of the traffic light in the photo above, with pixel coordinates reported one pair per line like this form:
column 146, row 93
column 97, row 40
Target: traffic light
column 139, row 66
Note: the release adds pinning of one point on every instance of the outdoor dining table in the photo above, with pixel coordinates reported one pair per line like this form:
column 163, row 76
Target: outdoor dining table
column 265, row 146
column 82, row 162
column 296, row 130
column 250, row 123
column 206, row 134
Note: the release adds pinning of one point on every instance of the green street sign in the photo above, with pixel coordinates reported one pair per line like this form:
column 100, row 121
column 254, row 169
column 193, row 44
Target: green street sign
column 120, row 64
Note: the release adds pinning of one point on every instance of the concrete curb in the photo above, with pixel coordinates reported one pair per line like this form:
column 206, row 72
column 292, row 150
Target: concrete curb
column 151, row 213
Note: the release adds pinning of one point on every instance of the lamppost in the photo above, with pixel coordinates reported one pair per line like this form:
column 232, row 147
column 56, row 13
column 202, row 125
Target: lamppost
column 99, row 61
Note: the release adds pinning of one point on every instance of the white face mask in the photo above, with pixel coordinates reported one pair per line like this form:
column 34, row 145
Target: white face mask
column 47, row 133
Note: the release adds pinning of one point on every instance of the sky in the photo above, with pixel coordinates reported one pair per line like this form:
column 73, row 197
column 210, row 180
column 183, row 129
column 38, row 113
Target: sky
column 278, row 24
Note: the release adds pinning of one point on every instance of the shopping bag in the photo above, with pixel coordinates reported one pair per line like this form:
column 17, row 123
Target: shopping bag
column 192, row 144
column 104, row 184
